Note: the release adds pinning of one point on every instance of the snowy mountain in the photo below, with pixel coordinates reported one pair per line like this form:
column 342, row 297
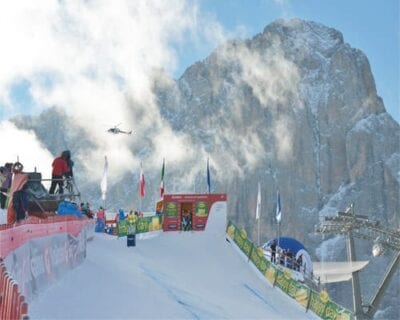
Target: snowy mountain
column 294, row 108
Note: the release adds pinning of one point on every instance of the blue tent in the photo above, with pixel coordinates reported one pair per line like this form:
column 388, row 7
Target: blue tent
column 287, row 243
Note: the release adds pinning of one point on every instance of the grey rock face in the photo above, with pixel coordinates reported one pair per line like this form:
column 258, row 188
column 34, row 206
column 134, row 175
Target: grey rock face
column 295, row 108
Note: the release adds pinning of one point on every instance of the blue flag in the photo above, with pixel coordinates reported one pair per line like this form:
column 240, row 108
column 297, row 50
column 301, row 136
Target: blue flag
column 278, row 207
column 208, row 177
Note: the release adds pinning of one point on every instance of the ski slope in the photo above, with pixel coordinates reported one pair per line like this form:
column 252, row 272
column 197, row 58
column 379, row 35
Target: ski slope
column 175, row 275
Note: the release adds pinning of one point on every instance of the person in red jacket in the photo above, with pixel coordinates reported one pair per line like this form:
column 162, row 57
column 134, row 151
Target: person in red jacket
column 60, row 169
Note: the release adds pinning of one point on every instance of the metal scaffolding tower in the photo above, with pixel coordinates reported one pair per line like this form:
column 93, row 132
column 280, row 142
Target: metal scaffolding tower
column 352, row 225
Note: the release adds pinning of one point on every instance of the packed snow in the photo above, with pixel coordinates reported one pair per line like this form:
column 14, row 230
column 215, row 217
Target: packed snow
column 172, row 275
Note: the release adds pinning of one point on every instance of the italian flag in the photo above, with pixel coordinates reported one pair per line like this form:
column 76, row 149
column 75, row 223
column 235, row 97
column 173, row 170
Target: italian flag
column 162, row 179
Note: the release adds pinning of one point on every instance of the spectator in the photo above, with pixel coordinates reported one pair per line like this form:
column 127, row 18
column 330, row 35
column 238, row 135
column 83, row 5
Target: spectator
column 101, row 215
column 67, row 156
column 121, row 215
column 273, row 251
column 299, row 262
column 131, row 218
column 8, row 166
column 3, row 189
column 20, row 202
column 186, row 220
column 60, row 169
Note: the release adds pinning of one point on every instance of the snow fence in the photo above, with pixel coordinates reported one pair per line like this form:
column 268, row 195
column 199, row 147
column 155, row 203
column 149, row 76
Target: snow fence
column 317, row 302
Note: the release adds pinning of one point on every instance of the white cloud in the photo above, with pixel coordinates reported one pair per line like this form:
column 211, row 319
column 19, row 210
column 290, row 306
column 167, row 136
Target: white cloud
column 21, row 145
column 97, row 60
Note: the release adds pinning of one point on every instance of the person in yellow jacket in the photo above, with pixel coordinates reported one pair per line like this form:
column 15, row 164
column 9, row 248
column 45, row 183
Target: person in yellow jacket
column 131, row 236
column 131, row 219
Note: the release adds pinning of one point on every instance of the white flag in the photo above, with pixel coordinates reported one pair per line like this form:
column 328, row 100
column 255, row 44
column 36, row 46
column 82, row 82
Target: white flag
column 278, row 207
column 103, row 184
column 258, row 202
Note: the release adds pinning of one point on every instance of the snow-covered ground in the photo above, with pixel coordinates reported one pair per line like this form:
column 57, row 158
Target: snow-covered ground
column 175, row 275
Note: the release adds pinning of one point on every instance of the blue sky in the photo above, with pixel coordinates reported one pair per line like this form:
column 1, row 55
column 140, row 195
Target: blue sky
column 369, row 25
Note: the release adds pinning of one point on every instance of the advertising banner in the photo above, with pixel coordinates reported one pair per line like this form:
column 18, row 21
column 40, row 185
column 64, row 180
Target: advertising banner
column 142, row 225
column 148, row 224
column 319, row 302
column 317, row 305
column 230, row 230
column 201, row 208
column 283, row 280
column 299, row 292
column 122, row 227
column 335, row 312
column 41, row 261
column 271, row 273
column 257, row 257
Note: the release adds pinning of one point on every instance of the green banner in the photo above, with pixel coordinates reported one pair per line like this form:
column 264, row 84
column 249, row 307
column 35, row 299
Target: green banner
column 201, row 209
column 299, row 292
column 171, row 209
column 122, row 227
column 336, row 312
column 319, row 302
column 317, row 305
column 142, row 225
column 230, row 230
column 259, row 260
column 147, row 224
column 282, row 280
column 270, row 273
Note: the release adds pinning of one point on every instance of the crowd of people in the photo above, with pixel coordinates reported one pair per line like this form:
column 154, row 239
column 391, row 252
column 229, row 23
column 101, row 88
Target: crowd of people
column 101, row 219
column 17, row 194
column 285, row 257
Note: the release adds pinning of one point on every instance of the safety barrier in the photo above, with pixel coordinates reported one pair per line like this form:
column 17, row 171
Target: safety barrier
column 318, row 302
column 17, row 258
column 12, row 303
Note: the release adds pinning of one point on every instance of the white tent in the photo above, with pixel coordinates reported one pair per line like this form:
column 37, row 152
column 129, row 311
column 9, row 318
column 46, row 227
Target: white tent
column 330, row 272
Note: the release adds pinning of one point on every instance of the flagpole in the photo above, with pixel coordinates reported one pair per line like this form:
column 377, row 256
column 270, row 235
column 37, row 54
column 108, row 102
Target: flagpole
column 258, row 211
column 140, row 188
column 208, row 176
column 278, row 214
column 140, row 201
column 278, row 234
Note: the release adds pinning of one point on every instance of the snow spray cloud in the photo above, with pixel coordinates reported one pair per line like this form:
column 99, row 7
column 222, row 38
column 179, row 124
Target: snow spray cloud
column 14, row 139
column 97, row 60
column 274, row 82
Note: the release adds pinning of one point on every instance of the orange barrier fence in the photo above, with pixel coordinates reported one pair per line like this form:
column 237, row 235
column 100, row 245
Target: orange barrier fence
column 12, row 303
column 14, row 236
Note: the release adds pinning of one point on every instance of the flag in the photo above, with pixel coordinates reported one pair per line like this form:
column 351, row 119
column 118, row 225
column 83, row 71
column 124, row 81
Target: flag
column 141, row 182
column 278, row 207
column 258, row 208
column 162, row 179
column 208, row 176
column 103, row 183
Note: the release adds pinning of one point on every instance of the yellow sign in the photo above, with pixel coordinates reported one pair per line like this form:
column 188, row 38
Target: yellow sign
column 324, row 296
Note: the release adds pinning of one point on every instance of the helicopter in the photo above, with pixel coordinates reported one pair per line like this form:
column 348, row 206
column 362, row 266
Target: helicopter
column 116, row 130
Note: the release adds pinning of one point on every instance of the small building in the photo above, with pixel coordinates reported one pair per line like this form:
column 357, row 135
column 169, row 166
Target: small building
column 188, row 211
